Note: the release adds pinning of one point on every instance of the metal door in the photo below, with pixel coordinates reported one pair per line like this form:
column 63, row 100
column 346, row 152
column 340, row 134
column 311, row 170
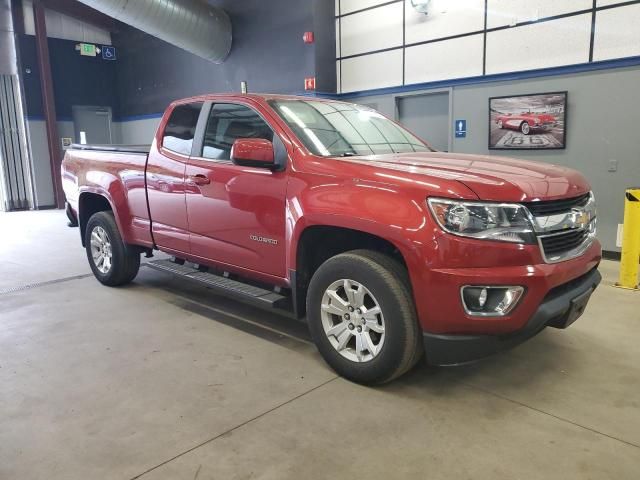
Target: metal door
column 95, row 122
column 428, row 117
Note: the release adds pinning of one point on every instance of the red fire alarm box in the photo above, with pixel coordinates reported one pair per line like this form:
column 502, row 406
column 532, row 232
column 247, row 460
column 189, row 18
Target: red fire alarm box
column 310, row 83
column 308, row 37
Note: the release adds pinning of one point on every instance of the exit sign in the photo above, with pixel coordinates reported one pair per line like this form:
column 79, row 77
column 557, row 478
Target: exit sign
column 88, row 49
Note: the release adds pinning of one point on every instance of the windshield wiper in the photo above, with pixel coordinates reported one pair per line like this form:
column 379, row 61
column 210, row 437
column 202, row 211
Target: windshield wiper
column 348, row 154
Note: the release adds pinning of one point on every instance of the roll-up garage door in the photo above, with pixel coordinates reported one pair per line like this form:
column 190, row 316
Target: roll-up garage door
column 15, row 183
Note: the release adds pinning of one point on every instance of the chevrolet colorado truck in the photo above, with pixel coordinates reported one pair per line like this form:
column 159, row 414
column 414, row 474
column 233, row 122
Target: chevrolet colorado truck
column 389, row 250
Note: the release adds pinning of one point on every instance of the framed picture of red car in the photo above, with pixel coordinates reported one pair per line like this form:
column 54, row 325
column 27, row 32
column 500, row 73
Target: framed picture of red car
column 528, row 122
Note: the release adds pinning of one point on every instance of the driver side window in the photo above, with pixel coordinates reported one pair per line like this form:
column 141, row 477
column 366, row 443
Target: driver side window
column 228, row 122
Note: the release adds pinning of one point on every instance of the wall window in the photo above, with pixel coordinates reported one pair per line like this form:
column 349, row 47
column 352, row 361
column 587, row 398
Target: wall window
column 181, row 127
column 228, row 122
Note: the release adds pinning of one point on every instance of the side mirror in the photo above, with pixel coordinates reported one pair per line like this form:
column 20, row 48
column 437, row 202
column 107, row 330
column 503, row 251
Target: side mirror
column 253, row 152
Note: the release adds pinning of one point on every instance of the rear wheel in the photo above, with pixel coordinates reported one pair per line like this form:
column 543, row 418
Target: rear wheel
column 525, row 128
column 362, row 318
column 112, row 261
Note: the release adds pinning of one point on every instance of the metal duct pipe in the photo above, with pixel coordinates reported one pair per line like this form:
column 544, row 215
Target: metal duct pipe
column 192, row 25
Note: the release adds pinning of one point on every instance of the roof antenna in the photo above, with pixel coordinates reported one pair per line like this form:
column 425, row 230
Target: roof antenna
column 243, row 86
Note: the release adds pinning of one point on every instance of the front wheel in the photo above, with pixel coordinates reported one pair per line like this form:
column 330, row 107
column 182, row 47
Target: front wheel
column 112, row 261
column 362, row 317
column 525, row 128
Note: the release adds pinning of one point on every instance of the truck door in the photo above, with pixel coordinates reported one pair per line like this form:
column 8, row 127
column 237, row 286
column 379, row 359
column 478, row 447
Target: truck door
column 236, row 214
column 165, row 178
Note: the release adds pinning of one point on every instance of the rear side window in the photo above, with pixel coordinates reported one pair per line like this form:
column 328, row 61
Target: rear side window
column 228, row 122
column 181, row 127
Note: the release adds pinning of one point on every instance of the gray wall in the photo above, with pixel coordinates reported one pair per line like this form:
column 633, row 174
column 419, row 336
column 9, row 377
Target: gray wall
column 40, row 158
column 136, row 132
column 602, row 118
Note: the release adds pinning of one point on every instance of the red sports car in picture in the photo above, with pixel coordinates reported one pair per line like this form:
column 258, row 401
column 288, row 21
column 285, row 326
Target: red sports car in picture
column 527, row 122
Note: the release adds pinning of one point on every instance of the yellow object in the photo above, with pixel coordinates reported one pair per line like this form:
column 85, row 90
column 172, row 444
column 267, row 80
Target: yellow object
column 630, row 240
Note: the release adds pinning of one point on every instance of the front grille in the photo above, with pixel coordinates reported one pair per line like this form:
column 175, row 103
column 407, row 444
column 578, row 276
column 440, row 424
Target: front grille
column 552, row 207
column 561, row 243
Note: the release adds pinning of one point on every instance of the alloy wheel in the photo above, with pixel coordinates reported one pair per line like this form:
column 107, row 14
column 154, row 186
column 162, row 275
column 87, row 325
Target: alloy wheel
column 101, row 250
column 352, row 320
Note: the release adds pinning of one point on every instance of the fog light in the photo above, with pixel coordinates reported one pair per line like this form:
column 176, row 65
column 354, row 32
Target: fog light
column 482, row 298
column 490, row 301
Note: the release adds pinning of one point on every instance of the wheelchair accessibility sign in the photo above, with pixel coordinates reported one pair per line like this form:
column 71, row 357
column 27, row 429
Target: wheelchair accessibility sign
column 108, row 52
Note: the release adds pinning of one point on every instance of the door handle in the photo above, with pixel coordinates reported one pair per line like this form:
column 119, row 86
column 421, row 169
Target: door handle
column 199, row 179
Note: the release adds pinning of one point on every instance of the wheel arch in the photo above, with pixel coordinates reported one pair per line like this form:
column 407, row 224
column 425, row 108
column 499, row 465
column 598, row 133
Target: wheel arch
column 89, row 203
column 318, row 242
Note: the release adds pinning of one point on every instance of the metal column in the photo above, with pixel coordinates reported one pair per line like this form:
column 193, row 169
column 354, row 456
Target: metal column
column 48, row 100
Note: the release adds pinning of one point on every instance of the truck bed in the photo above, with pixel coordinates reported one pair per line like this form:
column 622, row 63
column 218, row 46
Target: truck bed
column 111, row 168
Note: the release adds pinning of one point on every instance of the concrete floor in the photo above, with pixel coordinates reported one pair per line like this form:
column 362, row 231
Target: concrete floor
column 159, row 381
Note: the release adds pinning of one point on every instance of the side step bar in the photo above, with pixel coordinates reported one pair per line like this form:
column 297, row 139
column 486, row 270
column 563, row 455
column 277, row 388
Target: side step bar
column 242, row 291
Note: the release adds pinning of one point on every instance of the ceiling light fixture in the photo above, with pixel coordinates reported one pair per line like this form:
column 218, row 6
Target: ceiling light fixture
column 421, row 6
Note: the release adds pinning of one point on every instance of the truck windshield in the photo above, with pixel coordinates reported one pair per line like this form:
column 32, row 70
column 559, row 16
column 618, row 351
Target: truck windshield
column 333, row 129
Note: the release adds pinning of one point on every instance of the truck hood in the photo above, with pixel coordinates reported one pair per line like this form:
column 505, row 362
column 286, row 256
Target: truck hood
column 491, row 178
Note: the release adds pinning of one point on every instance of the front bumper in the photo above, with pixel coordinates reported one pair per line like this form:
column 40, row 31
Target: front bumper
column 555, row 311
column 544, row 126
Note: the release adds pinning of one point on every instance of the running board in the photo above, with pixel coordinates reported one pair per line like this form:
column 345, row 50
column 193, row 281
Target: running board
column 233, row 288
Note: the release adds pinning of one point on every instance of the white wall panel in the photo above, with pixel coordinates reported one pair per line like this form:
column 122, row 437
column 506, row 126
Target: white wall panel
column 603, row 3
column 445, row 18
column 348, row 6
column 29, row 21
column 372, row 30
column 65, row 27
column 457, row 58
column 338, row 67
column 617, row 33
column 367, row 72
column 541, row 45
column 510, row 12
column 545, row 44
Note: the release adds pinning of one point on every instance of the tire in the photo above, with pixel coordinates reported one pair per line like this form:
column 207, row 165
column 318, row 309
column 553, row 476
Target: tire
column 125, row 259
column 500, row 124
column 525, row 128
column 386, row 283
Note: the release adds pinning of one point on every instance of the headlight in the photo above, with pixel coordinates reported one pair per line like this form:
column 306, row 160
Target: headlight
column 487, row 221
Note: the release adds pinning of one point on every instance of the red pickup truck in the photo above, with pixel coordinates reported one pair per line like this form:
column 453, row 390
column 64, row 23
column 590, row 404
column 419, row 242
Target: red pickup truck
column 389, row 250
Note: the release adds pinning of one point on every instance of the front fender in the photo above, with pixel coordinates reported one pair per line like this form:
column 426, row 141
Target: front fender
column 399, row 216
